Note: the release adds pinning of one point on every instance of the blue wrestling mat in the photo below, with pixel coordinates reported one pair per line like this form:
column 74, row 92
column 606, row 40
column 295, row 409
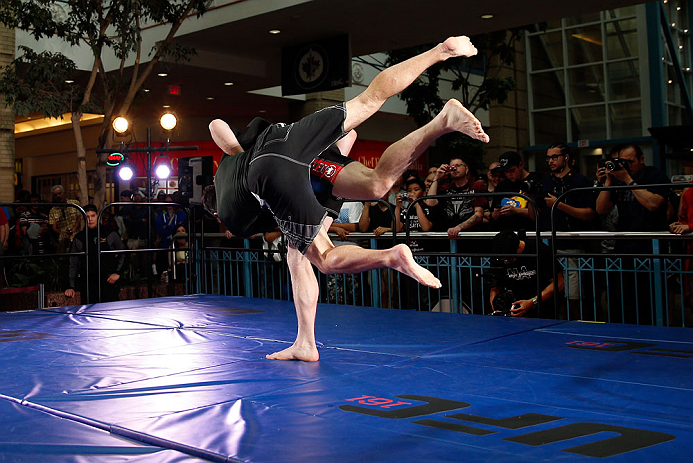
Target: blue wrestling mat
column 185, row 379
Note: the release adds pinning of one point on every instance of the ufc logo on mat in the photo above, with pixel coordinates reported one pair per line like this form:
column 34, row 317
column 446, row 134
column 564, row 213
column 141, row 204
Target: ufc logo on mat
column 628, row 439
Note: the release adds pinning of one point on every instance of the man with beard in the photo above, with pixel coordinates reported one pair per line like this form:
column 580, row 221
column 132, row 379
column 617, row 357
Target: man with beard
column 575, row 212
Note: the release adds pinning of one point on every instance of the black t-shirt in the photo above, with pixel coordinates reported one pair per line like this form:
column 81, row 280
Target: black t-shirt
column 557, row 186
column 520, row 276
column 633, row 216
column 379, row 218
column 460, row 209
column 410, row 219
column 528, row 186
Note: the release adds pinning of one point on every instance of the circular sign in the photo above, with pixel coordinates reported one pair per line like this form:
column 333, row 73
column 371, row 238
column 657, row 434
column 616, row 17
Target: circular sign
column 311, row 67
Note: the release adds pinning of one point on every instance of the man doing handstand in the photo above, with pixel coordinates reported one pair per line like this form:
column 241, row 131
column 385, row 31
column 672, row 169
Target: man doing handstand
column 267, row 176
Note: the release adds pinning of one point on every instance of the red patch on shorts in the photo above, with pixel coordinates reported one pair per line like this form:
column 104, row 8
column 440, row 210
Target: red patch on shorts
column 326, row 170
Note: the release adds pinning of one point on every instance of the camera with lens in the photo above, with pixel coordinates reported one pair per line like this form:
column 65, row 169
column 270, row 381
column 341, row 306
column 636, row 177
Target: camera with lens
column 614, row 164
column 502, row 303
column 404, row 196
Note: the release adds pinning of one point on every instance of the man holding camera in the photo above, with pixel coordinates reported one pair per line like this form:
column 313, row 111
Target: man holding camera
column 462, row 213
column 638, row 210
column 514, row 279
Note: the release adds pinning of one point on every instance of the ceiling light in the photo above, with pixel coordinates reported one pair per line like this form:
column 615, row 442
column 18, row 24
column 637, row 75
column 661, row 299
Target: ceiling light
column 228, row 84
column 120, row 124
column 673, row 24
column 162, row 74
column 671, row 81
column 262, row 111
column 126, row 172
column 167, row 106
column 486, row 16
column 69, row 81
column 275, row 31
column 685, row 31
column 210, row 98
column 146, row 90
column 162, row 171
column 168, row 121
column 678, row 8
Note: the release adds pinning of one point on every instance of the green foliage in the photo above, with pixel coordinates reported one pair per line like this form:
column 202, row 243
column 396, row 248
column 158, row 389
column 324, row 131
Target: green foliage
column 35, row 82
column 30, row 272
column 423, row 100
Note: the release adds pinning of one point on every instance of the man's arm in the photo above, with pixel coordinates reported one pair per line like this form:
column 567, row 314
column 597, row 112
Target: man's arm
column 582, row 213
column 477, row 217
column 224, row 138
column 651, row 201
column 522, row 306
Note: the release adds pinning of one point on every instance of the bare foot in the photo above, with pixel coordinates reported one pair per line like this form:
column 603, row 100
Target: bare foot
column 294, row 352
column 458, row 118
column 459, row 46
column 404, row 262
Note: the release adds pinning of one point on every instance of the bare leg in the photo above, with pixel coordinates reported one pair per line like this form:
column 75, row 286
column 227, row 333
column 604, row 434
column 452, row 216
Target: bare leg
column 224, row 138
column 306, row 289
column 358, row 182
column 396, row 78
column 353, row 259
column 345, row 143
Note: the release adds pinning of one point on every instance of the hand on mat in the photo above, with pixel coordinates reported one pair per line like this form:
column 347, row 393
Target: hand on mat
column 69, row 293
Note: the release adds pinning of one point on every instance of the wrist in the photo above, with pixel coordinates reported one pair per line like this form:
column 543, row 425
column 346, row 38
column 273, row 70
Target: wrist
column 631, row 183
column 534, row 301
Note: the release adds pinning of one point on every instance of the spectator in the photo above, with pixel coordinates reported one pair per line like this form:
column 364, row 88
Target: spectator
column 638, row 210
column 462, row 213
column 376, row 218
column 64, row 221
column 180, row 257
column 514, row 279
column 514, row 214
column 34, row 228
column 4, row 233
column 111, row 264
column 576, row 212
column 166, row 223
column 428, row 181
column 494, row 176
column 348, row 220
column 432, row 170
column 125, row 197
column 683, row 226
column 419, row 217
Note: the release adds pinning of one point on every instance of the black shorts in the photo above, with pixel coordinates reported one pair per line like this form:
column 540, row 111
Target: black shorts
column 280, row 172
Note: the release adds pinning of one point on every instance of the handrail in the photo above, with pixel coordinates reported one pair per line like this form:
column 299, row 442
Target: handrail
column 128, row 251
column 617, row 235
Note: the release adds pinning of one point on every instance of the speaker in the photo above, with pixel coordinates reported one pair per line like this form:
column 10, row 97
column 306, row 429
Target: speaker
column 194, row 174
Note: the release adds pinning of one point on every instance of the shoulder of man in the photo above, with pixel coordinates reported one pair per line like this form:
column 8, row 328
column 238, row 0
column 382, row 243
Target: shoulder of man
column 654, row 175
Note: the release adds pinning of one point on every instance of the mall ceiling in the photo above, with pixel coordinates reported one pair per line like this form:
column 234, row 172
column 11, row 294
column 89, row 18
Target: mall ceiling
column 245, row 53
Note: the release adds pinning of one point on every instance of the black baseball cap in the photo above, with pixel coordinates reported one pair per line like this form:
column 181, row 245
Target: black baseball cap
column 505, row 242
column 509, row 159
